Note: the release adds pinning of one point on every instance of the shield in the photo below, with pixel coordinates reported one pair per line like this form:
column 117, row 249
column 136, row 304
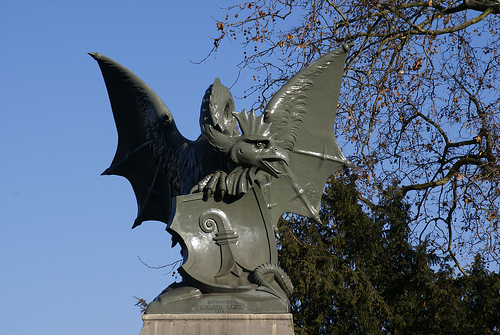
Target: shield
column 223, row 241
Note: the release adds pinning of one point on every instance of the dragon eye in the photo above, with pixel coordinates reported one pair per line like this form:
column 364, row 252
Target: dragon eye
column 260, row 145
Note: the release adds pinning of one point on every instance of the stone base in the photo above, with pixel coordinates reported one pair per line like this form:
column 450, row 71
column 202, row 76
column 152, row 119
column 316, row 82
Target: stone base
column 190, row 300
column 221, row 324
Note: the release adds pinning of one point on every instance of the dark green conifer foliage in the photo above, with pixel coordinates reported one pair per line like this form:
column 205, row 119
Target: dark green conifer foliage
column 357, row 273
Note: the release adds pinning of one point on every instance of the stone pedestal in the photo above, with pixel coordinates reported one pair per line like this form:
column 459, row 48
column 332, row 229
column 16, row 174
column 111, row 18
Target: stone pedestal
column 220, row 324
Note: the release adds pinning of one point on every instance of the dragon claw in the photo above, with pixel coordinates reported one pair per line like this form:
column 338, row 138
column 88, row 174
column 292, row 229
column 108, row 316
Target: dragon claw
column 213, row 184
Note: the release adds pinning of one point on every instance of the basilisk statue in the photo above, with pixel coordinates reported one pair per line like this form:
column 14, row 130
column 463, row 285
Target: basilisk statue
column 222, row 195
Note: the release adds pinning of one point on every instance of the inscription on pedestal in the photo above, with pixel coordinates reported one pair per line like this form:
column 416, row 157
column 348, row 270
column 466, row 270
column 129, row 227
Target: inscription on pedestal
column 220, row 306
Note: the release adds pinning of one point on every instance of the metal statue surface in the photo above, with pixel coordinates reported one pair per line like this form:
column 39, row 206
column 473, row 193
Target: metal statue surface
column 222, row 195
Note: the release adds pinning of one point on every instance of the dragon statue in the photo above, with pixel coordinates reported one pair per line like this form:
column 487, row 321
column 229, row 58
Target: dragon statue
column 222, row 194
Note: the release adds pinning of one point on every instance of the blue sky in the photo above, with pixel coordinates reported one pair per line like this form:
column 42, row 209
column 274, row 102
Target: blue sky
column 69, row 260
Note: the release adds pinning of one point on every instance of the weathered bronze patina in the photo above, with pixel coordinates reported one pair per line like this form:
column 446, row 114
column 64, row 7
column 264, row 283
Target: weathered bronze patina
column 222, row 195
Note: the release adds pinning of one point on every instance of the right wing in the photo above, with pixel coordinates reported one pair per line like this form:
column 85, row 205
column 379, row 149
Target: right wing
column 302, row 116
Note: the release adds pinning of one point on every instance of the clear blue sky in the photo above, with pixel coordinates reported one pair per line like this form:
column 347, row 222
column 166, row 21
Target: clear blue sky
column 69, row 260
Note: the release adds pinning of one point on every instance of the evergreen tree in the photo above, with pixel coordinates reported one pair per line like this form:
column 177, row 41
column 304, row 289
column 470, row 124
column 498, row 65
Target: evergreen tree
column 357, row 273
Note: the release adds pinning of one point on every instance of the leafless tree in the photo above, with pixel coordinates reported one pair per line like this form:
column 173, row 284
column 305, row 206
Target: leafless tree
column 419, row 106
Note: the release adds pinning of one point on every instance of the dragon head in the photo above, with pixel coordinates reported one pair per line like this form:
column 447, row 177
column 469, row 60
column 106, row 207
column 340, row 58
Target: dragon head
column 256, row 147
column 258, row 151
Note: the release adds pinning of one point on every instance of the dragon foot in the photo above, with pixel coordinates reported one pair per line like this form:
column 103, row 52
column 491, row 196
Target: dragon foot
column 265, row 274
column 212, row 184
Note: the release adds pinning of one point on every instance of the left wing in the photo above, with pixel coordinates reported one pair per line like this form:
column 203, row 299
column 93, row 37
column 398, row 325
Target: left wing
column 302, row 115
column 152, row 154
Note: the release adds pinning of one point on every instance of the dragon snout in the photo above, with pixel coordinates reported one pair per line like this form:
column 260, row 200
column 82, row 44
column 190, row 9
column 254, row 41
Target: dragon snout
column 269, row 161
column 280, row 155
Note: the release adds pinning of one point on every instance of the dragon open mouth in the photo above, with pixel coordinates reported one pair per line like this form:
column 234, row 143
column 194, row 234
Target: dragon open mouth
column 271, row 169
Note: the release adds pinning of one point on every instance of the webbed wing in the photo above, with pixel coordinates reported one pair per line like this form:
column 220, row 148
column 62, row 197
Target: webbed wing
column 157, row 160
column 302, row 117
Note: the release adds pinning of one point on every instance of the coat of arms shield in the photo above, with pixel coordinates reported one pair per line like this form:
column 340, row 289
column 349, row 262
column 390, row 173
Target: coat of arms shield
column 224, row 241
